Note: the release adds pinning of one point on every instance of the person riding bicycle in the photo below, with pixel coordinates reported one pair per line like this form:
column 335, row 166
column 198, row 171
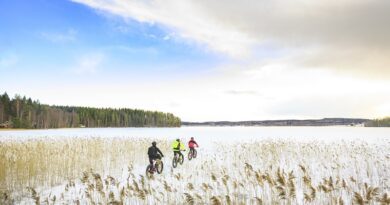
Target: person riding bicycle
column 191, row 144
column 177, row 146
column 154, row 153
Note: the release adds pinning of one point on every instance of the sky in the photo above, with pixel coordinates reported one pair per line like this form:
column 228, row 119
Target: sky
column 201, row 60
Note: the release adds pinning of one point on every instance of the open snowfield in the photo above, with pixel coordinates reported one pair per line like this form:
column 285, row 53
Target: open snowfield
column 235, row 165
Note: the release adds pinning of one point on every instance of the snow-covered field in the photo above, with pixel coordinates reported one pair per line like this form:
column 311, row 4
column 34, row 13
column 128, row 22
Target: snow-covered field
column 235, row 165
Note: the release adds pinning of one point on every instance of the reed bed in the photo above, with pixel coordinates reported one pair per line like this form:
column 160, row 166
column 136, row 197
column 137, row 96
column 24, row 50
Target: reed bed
column 45, row 162
column 272, row 171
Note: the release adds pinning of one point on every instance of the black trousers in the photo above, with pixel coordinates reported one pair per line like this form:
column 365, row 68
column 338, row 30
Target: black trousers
column 178, row 152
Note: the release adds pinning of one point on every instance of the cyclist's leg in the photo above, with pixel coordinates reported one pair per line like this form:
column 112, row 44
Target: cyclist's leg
column 181, row 154
column 151, row 160
column 151, row 163
column 154, row 163
column 176, row 153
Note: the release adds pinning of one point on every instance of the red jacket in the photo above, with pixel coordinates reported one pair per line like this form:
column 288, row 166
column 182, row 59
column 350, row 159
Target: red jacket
column 192, row 143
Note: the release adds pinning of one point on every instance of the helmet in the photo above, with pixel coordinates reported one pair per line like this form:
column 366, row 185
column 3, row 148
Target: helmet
column 154, row 143
column 192, row 138
column 178, row 139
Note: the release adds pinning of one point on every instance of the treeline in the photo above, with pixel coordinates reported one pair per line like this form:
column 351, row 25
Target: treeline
column 384, row 122
column 22, row 112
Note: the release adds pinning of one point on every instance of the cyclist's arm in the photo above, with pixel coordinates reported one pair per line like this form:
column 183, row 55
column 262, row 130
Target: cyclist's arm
column 159, row 151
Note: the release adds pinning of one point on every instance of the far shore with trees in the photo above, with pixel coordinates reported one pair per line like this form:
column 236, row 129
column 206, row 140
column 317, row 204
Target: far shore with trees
column 22, row 112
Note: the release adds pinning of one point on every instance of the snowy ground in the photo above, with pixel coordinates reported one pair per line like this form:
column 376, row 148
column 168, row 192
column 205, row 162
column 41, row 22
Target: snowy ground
column 236, row 165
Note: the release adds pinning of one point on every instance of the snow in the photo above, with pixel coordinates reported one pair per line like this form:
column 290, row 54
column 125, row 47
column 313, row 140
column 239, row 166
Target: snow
column 338, row 152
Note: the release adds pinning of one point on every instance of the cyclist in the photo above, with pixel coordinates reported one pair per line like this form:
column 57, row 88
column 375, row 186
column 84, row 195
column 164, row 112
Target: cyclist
column 154, row 153
column 177, row 146
column 191, row 144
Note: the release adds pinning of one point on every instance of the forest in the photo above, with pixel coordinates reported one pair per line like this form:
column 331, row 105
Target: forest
column 380, row 122
column 22, row 112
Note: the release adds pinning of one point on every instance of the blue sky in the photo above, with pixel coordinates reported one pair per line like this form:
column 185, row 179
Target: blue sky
column 46, row 36
column 196, row 60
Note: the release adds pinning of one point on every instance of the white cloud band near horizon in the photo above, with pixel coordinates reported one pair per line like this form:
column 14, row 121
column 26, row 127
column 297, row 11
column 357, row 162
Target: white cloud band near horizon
column 256, row 94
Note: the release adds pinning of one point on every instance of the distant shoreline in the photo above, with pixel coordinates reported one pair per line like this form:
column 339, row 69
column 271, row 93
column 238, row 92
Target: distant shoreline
column 349, row 122
column 13, row 129
column 290, row 122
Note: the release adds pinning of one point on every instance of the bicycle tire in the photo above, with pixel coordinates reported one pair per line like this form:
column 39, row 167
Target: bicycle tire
column 174, row 162
column 181, row 159
column 160, row 166
column 190, row 155
column 194, row 154
column 148, row 173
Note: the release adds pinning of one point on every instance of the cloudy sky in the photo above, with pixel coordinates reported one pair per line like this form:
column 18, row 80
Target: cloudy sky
column 201, row 59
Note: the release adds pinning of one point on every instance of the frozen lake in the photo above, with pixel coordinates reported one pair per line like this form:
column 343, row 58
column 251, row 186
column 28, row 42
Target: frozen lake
column 211, row 133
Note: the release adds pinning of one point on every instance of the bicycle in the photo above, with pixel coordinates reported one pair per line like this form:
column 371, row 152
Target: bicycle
column 192, row 154
column 177, row 159
column 158, row 167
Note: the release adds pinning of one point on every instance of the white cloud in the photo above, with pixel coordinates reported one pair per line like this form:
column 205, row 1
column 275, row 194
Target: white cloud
column 89, row 63
column 185, row 18
column 145, row 50
column 242, row 92
column 56, row 37
column 343, row 34
column 8, row 61
column 166, row 37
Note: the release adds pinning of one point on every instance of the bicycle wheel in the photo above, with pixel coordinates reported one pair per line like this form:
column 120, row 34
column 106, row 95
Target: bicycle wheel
column 195, row 153
column 181, row 159
column 174, row 162
column 159, row 166
column 190, row 155
column 149, row 171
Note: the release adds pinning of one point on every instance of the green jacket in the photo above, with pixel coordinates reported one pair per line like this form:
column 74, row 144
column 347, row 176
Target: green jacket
column 177, row 146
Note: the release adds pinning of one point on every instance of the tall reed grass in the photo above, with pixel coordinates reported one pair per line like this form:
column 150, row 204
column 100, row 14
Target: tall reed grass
column 91, row 171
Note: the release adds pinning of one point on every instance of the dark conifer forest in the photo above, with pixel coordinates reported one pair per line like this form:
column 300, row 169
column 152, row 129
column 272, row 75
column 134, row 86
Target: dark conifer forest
column 22, row 112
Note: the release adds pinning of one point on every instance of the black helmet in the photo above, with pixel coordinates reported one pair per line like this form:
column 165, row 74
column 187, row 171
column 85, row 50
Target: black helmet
column 154, row 143
column 178, row 139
